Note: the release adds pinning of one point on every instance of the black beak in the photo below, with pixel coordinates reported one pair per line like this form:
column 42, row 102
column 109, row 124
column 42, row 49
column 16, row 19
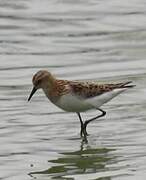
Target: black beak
column 32, row 93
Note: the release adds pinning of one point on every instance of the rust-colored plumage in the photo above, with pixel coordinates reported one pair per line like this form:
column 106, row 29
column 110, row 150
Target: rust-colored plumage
column 75, row 96
column 85, row 89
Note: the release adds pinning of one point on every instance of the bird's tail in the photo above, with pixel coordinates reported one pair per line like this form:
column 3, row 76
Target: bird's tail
column 126, row 85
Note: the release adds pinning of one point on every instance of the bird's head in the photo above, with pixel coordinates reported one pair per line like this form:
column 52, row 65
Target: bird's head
column 42, row 79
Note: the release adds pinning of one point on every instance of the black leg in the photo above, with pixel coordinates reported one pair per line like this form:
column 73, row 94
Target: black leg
column 88, row 121
column 82, row 132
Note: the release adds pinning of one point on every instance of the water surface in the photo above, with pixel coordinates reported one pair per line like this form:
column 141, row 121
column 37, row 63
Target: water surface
column 99, row 40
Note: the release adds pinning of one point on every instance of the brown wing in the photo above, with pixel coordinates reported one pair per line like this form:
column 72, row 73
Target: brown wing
column 88, row 90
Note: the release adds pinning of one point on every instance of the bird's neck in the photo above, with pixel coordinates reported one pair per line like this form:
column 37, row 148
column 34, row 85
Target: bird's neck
column 51, row 90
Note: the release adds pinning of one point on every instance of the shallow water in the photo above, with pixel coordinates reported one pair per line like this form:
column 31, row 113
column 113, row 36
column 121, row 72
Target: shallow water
column 100, row 40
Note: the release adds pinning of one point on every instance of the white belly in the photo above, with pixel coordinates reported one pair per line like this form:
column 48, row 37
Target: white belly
column 73, row 104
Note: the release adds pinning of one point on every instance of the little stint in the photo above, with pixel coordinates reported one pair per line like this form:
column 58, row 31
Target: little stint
column 75, row 96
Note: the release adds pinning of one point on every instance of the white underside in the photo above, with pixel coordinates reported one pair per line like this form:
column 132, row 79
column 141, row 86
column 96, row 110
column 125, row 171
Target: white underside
column 73, row 103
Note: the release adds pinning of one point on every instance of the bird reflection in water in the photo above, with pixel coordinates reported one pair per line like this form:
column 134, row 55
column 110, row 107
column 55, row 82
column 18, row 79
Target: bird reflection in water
column 83, row 161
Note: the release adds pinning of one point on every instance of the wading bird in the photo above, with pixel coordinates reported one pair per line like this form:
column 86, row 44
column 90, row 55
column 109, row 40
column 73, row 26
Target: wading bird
column 75, row 96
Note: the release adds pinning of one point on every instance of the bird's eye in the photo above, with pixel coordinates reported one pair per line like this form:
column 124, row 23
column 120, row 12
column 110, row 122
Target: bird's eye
column 39, row 81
